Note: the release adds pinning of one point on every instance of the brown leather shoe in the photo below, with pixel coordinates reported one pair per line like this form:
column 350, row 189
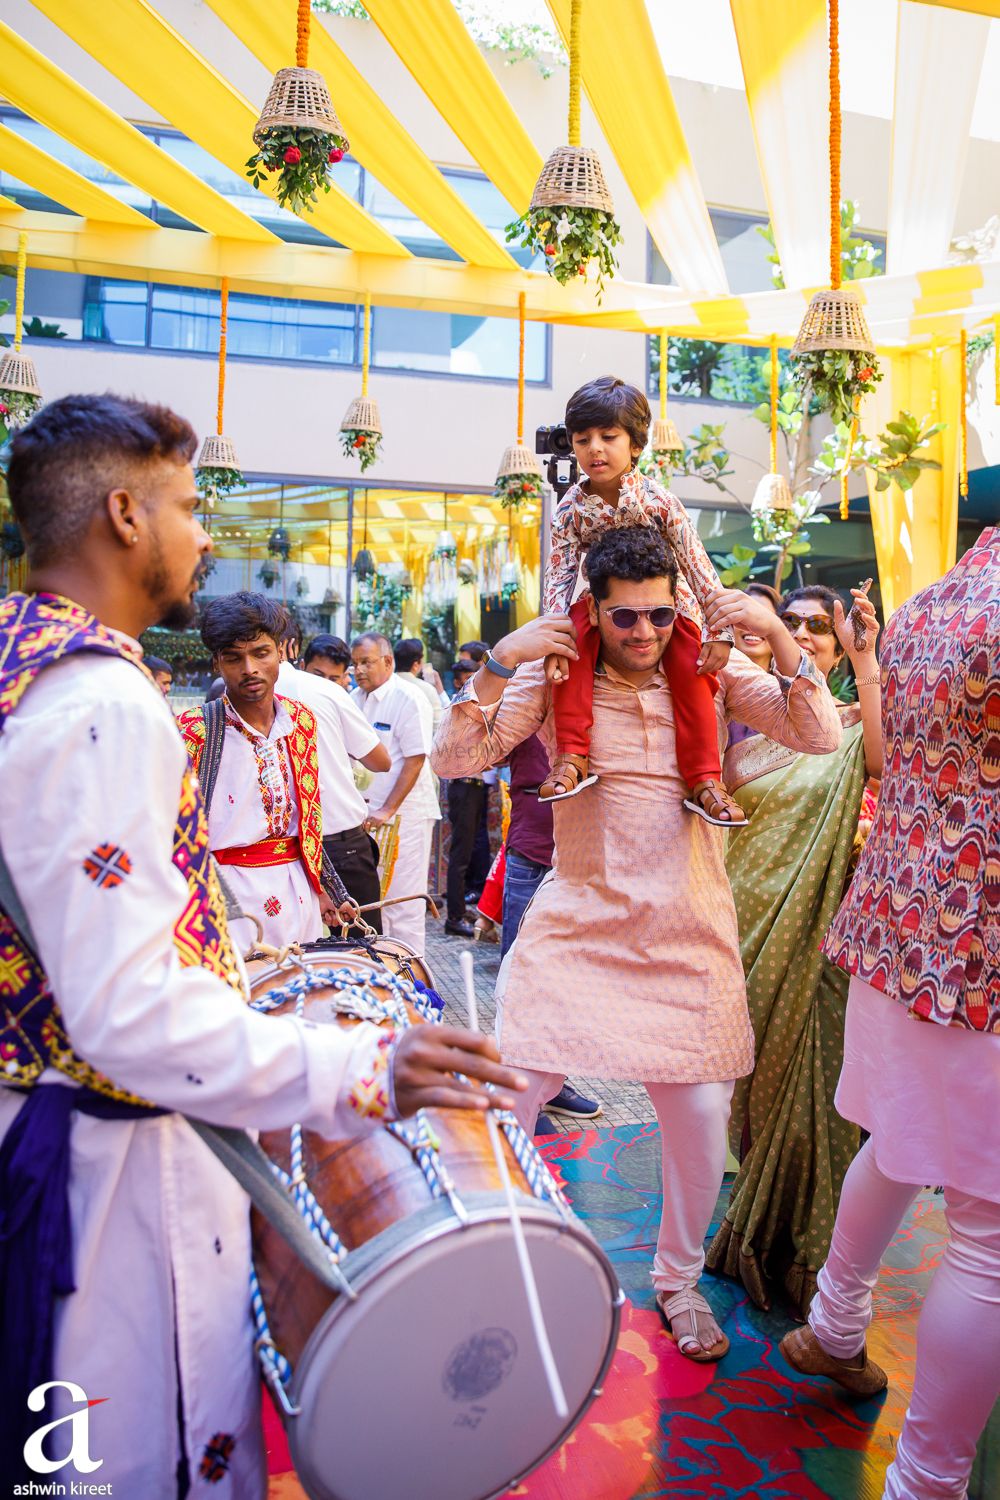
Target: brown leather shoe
column 860, row 1375
column 567, row 777
column 710, row 800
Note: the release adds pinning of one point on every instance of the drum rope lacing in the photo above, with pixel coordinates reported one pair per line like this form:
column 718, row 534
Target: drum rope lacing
column 353, row 996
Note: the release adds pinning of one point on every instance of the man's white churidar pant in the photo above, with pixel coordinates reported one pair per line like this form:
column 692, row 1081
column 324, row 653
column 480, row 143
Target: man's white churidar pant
column 693, row 1119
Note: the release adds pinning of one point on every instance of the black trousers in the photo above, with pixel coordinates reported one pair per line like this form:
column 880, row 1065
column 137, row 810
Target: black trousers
column 466, row 800
column 355, row 856
column 481, row 861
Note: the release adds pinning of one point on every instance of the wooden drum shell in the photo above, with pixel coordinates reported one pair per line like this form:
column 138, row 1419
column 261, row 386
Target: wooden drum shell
column 364, row 1184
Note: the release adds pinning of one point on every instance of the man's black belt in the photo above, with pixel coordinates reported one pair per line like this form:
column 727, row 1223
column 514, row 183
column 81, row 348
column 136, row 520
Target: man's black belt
column 466, row 780
column 346, row 833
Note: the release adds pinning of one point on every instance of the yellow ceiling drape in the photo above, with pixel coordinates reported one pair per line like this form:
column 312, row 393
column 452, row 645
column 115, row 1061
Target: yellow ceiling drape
column 630, row 94
column 377, row 138
column 783, row 50
column 41, row 89
column 431, row 39
column 939, row 58
column 194, row 97
column 29, row 163
column 916, row 530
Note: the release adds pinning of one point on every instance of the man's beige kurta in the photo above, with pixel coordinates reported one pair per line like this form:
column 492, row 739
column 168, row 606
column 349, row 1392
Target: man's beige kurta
column 627, row 963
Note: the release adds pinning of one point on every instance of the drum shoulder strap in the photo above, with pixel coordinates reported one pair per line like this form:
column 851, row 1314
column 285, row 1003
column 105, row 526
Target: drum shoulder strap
column 332, row 883
column 238, row 1152
column 214, row 715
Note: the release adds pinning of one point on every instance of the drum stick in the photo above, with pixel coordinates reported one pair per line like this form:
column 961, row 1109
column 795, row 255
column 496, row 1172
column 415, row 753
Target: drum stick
column 527, row 1274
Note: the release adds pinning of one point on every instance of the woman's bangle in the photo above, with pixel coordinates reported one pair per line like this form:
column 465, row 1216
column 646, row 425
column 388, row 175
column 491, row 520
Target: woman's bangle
column 868, row 681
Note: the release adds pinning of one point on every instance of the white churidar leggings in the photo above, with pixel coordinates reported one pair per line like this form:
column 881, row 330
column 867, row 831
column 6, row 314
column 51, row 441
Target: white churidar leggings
column 409, row 877
column 693, row 1118
column 958, row 1337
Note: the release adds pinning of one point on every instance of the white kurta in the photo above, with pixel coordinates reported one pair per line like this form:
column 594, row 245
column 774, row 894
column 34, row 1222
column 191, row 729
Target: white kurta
column 255, row 799
column 343, row 734
column 402, row 719
column 92, row 757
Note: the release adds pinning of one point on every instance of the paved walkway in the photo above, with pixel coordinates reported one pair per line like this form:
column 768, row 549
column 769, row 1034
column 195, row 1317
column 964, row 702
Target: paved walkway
column 623, row 1103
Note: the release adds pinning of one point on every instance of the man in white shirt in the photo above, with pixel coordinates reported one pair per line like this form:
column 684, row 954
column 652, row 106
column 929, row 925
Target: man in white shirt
column 330, row 657
column 343, row 734
column 402, row 721
column 409, row 658
column 125, row 1270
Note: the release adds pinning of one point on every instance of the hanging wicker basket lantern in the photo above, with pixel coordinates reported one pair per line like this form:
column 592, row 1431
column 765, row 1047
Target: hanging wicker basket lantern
column 364, row 564
column 279, row 543
column 834, row 320
column 217, row 452
column 666, row 438
column 17, row 373
column 772, row 493
column 362, row 416
column 573, row 177
column 298, row 99
column 519, row 459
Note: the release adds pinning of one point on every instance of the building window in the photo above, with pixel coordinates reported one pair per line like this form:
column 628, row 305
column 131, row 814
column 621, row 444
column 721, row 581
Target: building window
column 136, row 315
column 744, row 252
column 187, row 318
column 406, row 338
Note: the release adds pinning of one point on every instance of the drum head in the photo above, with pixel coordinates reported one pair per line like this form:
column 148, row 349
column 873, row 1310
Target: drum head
column 430, row 1385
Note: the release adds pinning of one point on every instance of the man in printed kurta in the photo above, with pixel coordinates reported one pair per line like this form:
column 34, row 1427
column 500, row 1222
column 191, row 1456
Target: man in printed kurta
column 919, row 933
column 264, row 820
column 627, row 961
column 124, row 1244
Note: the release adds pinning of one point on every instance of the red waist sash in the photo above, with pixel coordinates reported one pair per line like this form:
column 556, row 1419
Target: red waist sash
column 258, row 856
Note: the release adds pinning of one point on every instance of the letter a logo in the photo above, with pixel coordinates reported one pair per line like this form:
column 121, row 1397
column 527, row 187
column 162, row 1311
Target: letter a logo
column 79, row 1453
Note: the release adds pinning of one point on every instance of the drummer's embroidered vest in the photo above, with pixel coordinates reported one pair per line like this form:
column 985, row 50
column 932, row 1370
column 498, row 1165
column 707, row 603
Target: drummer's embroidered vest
column 303, row 752
column 36, row 631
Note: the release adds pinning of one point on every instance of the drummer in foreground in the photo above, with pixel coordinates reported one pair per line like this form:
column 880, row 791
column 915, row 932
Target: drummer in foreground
column 139, row 996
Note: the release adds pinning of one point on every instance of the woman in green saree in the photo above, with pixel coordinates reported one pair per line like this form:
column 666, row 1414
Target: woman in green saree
column 789, row 868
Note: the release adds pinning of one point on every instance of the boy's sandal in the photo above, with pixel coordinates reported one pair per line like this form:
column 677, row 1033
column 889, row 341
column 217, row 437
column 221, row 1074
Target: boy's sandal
column 567, row 777
column 709, row 799
column 860, row 1375
column 687, row 1304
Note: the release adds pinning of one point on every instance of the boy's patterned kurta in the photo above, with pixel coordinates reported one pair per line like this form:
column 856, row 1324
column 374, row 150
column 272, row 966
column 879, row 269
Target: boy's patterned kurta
column 580, row 518
column 921, row 921
column 627, row 963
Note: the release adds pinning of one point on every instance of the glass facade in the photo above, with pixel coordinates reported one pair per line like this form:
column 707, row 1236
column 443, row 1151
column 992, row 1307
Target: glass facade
column 140, row 315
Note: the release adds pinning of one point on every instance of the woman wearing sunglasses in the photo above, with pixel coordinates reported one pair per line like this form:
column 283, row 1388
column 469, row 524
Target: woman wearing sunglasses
column 789, row 868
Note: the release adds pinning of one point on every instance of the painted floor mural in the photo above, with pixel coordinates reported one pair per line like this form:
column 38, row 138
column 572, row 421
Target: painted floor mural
column 748, row 1427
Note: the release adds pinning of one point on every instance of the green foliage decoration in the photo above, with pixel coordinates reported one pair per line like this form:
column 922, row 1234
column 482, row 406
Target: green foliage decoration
column 569, row 239
column 302, row 158
column 513, row 490
column 215, row 483
column 359, row 443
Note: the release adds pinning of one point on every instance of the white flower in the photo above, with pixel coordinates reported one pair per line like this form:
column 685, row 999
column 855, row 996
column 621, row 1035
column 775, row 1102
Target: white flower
column 563, row 228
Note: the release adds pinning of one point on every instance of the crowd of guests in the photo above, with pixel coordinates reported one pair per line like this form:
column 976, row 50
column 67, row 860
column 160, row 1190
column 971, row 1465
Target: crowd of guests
column 685, row 897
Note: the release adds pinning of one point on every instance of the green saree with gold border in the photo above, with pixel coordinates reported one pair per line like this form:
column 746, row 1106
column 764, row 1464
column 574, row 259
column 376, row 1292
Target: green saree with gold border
column 788, row 870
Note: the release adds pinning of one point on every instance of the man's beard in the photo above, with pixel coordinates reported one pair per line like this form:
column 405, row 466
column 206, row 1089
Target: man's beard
column 178, row 613
column 615, row 654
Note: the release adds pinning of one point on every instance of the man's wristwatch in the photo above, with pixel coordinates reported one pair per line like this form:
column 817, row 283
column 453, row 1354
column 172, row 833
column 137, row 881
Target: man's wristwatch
column 492, row 665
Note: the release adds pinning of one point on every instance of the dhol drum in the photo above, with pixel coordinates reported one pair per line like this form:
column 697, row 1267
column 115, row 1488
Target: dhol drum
column 421, row 1380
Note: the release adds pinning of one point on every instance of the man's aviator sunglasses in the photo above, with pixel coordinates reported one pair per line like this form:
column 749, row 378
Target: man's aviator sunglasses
column 624, row 617
column 815, row 624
